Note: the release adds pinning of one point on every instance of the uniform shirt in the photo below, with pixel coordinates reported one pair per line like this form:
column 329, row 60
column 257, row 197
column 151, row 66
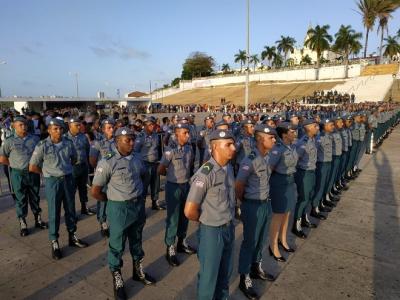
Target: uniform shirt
column 193, row 133
column 345, row 139
column 54, row 159
column 245, row 144
column 363, row 131
column 307, row 152
column 349, row 137
column 147, row 145
column 19, row 150
column 255, row 172
column 283, row 158
column 178, row 161
column 373, row 121
column 81, row 145
column 355, row 131
column 100, row 148
column 337, row 146
column 204, row 138
column 324, row 147
column 122, row 175
column 213, row 188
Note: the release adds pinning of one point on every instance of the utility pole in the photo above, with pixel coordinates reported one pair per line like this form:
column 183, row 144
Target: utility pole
column 246, row 96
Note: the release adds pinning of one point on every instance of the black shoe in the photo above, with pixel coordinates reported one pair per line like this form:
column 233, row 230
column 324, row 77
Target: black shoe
column 104, row 230
column 23, row 227
column 335, row 192
column 246, row 286
column 118, row 283
column 39, row 223
column 306, row 223
column 288, row 250
column 171, row 256
column 87, row 211
column 140, row 275
column 299, row 233
column 183, row 247
column 324, row 209
column 155, row 206
column 55, row 250
column 334, row 198
column 328, row 203
column 75, row 242
column 280, row 258
column 258, row 273
column 317, row 215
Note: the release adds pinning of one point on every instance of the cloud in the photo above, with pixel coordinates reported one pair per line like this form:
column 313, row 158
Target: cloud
column 118, row 49
column 103, row 52
column 27, row 83
column 127, row 53
column 28, row 49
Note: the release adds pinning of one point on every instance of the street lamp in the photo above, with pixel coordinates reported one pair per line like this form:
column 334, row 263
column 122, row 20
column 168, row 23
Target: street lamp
column 76, row 82
column 246, row 96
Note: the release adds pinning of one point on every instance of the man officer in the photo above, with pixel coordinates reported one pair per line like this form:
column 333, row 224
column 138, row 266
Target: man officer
column 122, row 171
column 211, row 201
column 55, row 157
column 176, row 164
column 81, row 167
column 16, row 151
column 252, row 189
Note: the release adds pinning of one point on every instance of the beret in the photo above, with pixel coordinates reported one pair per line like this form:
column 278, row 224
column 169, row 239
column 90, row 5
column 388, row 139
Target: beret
column 181, row 125
column 309, row 122
column 124, row 131
column 56, row 122
column 221, row 134
column 108, row 121
column 265, row 129
column 150, row 119
column 20, row 119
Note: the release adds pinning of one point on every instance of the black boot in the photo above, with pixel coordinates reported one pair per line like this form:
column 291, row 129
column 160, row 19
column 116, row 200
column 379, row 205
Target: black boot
column 156, row 206
column 23, row 227
column 316, row 214
column 55, row 250
column 246, row 286
column 333, row 198
column 257, row 272
column 75, row 242
column 171, row 256
column 297, row 230
column 305, row 222
column 323, row 208
column 86, row 211
column 140, row 275
column 118, row 283
column 104, row 230
column 184, row 247
column 39, row 223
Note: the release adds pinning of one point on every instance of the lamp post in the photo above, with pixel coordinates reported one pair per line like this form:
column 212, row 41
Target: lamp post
column 246, row 96
column 76, row 75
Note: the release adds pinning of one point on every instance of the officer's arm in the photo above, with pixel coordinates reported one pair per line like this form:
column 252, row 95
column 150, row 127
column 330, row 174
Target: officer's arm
column 36, row 160
column 165, row 161
column 197, row 192
column 97, row 193
column 162, row 169
column 4, row 160
column 245, row 169
column 93, row 161
column 35, row 169
column 101, row 178
column 239, row 189
column 192, row 211
column 93, row 155
column 4, row 153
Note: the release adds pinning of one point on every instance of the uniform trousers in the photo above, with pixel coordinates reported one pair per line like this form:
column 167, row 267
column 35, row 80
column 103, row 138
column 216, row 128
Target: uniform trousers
column 305, row 182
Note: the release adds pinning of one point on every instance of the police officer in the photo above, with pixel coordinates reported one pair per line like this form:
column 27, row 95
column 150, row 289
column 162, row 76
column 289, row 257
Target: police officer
column 204, row 139
column 122, row 171
column 193, row 133
column 16, row 151
column 245, row 142
column 211, row 201
column 81, row 167
column 252, row 189
column 176, row 164
column 148, row 146
column 55, row 157
column 373, row 126
column 305, row 176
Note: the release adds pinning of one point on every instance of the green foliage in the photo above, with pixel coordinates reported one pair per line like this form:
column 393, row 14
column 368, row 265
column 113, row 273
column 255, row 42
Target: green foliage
column 347, row 41
column 392, row 46
column 176, row 81
column 306, row 60
column 241, row 57
column 196, row 65
column 318, row 40
column 286, row 45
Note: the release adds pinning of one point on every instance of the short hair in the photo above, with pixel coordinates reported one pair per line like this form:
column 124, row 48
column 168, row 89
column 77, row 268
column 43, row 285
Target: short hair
column 280, row 131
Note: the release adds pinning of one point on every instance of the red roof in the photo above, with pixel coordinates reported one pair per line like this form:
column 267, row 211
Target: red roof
column 136, row 94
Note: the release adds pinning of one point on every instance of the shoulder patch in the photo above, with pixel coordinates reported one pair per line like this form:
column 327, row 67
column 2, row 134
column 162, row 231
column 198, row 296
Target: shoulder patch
column 252, row 155
column 206, row 168
column 109, row 155
column 41, row 142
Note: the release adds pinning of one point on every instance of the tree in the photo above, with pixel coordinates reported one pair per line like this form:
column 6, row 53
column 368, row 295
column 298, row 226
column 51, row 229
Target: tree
column 197, row 64
column 366, row 8
column 285, row 45
column 306, row 60
column 318, row 40
column 241, row 57
column 392, row 46
column 254, row 60
column 347, row 42
column 176, row 81
column 225, row 68
column 268, row 53
column 384, row 10
column 278, row 61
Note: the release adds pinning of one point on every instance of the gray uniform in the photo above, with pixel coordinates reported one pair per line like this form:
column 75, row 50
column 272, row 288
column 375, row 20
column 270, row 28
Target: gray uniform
column 82, row 147
column 56, row 160
column 244, row 145
column 148, row 146
column 178, row 161
column 324, row 147
column 100, row 148
column 283, row 158
column 307, row 152
column 19, row 150
column 345, row 139
column 337, row 143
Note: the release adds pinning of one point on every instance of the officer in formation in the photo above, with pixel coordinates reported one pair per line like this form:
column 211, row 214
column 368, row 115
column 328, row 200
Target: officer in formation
column 148, row 145
column 55, row 157
column 122, row 172
column 97, row 151
column 211, row 202
column 80, row 169
column 15, row 152
column 175, row 164
column 203, row 141
column 245, row 142
column 252, row 190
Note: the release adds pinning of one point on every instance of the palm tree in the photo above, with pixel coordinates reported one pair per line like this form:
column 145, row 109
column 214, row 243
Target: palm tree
column 278, row 61
column 306, row 60
column 241, row 57
column 318, row 40
column 366, row 8
column 285, row 45
column 269, row 53
column 392, row 47
column 225, row 68
column 347, row 41
column 384, row 10
column 254, row 60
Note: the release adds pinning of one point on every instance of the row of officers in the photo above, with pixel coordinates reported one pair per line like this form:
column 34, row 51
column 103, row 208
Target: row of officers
column 267, row 171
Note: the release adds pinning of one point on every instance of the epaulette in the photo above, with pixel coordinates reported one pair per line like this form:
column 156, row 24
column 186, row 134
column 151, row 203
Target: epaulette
column 42, row 142
column 206, row 168
column 252, row 155
column 109, row 155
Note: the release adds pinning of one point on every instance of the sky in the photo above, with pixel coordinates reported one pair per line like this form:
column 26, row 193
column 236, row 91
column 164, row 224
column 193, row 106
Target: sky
column 124, row 45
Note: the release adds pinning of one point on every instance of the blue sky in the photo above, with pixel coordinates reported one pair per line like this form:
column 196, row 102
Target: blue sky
column 123, row 44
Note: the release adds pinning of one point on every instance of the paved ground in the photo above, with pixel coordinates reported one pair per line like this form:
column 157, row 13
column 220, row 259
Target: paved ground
column 354, row 254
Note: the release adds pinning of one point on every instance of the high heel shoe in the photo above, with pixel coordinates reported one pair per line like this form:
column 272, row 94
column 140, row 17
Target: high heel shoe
column 289, row 250
column 280, row 259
